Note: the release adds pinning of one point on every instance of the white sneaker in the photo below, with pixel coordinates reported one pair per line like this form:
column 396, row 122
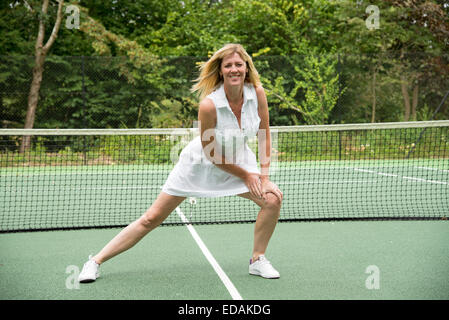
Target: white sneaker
column 90, row 271
column 262, row 267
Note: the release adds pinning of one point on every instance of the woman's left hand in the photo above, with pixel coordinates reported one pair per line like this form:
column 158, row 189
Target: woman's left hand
column 268, row 186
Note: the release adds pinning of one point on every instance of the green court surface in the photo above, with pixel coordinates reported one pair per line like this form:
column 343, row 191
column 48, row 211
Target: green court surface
column 317, row 260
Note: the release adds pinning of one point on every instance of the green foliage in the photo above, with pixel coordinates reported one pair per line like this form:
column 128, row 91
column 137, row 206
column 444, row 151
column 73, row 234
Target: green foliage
column 309, row 85
column 131, row 63
column 321, row 86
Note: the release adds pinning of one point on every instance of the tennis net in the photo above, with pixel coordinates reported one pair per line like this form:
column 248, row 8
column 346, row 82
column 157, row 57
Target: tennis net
column 75, row 179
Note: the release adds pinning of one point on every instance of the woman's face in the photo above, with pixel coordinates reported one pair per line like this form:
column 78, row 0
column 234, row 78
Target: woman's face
column 233, row 69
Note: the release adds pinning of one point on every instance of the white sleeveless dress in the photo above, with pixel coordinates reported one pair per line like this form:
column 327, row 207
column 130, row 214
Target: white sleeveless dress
column 196, row 176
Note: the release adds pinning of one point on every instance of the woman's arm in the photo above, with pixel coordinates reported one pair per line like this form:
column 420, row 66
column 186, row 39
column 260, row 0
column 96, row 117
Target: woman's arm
column 264, row 141
column 207, row 117
column 264, row 136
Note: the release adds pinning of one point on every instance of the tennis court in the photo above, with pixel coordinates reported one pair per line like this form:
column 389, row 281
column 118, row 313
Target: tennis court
column 363, row 217
column 325, row 260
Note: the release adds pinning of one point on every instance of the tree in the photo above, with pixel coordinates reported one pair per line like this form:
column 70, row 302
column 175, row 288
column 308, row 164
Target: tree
column 41, row 52
column 433, row 24
column 411, row 36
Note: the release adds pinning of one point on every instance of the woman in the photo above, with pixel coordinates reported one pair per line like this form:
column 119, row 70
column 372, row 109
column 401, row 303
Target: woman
column 233, row 107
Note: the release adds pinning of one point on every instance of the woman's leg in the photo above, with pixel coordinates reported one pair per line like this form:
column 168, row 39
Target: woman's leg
column 133, row 233
column 266, row 221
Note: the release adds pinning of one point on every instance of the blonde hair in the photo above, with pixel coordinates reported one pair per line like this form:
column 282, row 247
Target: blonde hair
column 209, row 77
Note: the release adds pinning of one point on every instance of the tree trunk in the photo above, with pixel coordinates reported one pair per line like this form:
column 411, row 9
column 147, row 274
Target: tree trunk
column 33, row 98
column 414, row 101
column 406, row 98
column 373, row 91
column 38, row 69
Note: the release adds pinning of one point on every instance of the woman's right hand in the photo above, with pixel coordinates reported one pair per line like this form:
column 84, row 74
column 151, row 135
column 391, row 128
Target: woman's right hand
column 252, row 181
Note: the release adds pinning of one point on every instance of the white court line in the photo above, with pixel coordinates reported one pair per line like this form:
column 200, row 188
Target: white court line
column 71, row 188
column 403, row 177
column 110, row 188
column 324, row 182
column 434, row 169
column 86, row 173
column 224, row 278
column 424, row 180
column 376, row 172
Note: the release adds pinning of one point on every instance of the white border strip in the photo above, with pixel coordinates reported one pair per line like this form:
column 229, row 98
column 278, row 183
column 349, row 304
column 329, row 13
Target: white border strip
column 188, row 131
column 363, row 126
column 224, row 278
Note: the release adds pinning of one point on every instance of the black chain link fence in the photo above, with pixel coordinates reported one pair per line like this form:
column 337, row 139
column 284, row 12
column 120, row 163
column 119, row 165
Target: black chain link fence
column 112, row 92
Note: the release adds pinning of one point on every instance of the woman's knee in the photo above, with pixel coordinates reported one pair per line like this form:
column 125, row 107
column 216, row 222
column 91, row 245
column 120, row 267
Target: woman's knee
column 272, row 202
column 151, row 219
column 160, row 210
